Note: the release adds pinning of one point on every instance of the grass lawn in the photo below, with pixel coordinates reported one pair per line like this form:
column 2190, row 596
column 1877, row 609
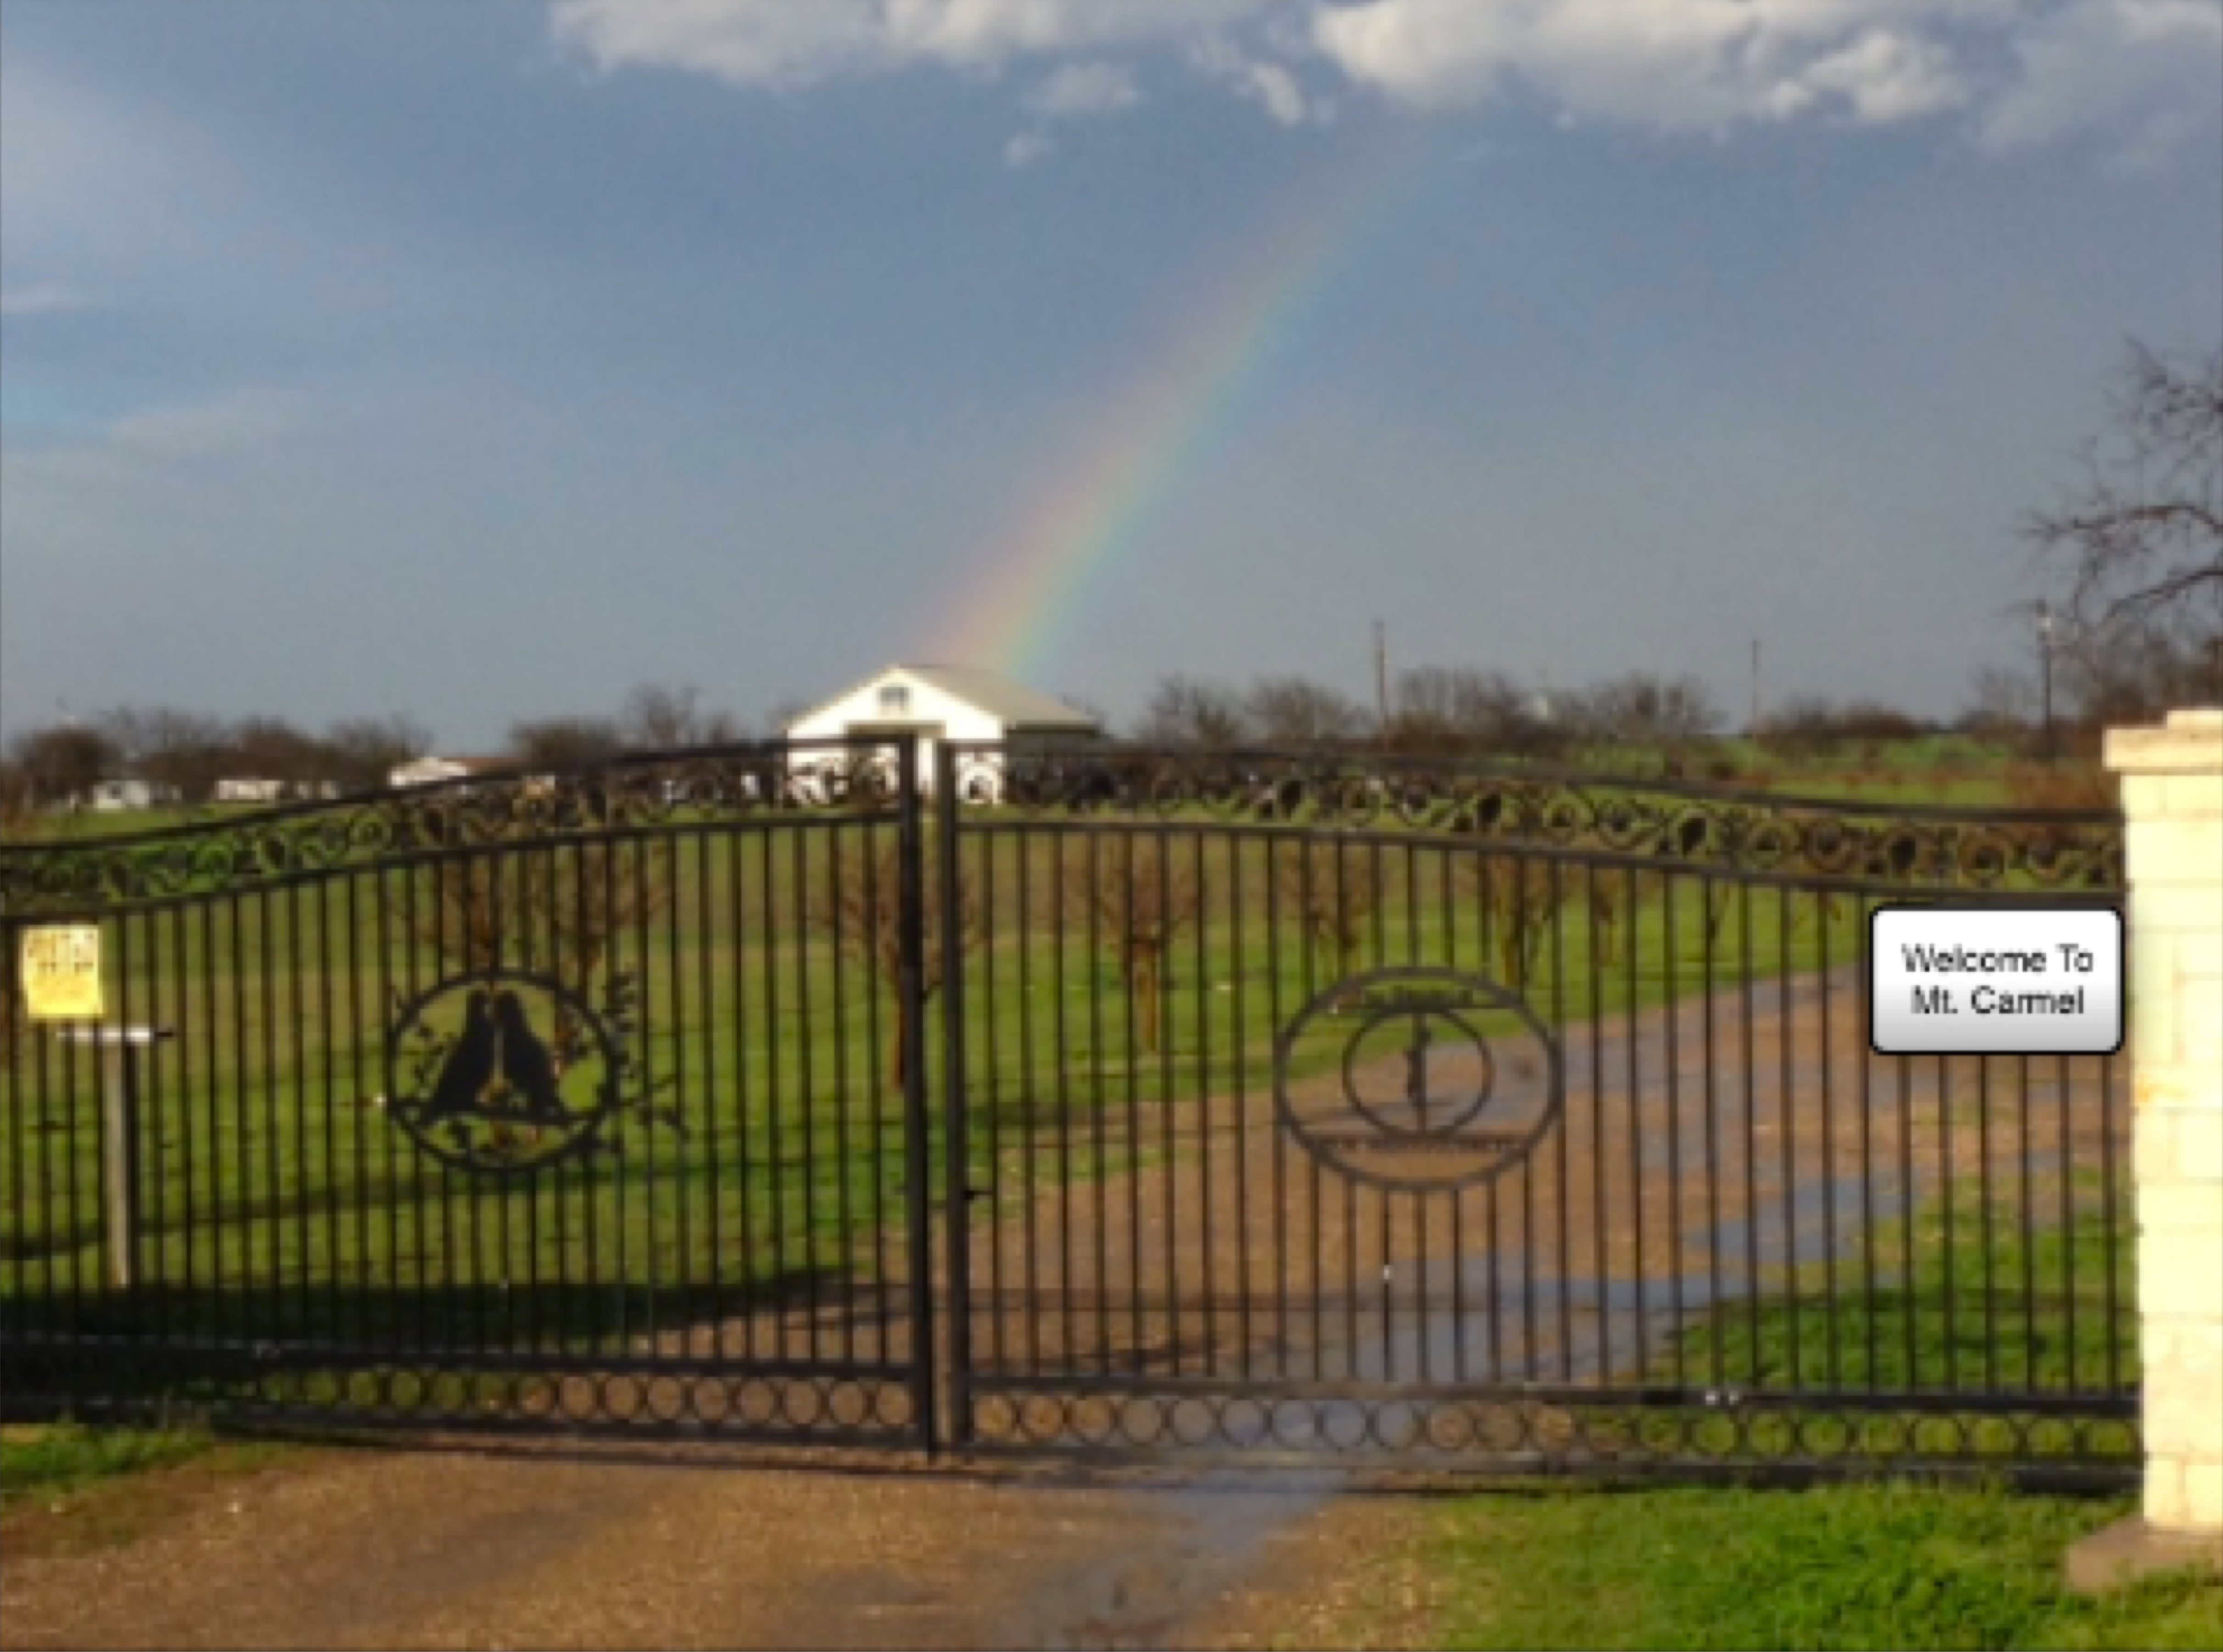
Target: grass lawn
column 1881, row 1565
column 50, row 1460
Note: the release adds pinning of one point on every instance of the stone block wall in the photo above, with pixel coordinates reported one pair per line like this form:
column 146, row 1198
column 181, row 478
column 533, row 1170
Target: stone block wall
column 2172, row 779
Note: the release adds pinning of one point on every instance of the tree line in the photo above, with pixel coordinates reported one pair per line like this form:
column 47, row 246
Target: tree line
column 184, row 754
column 2128, row 672
column 1433, row 710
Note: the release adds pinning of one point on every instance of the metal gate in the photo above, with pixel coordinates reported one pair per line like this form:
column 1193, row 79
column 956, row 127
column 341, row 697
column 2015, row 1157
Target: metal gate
column 1077, row 1099
column 587, row 1100
column 1444, row 1116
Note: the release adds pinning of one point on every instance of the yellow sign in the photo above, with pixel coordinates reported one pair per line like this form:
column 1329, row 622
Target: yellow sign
column 61, row 972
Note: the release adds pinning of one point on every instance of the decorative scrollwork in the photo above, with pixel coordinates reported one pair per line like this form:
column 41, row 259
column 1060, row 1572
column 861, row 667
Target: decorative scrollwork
column 270, row 846
column 1701, row 825
column 1705, row 826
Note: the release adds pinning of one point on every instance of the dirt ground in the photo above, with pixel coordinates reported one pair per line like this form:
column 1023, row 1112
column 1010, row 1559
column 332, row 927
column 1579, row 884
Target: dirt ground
column 465, row 1548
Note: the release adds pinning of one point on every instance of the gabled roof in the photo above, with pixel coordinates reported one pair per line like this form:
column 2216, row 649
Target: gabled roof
column 1009, row 702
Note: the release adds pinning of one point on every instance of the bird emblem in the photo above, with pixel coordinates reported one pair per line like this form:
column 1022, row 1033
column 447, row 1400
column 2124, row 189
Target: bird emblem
column 470, row 1064
column 480, row 1065
column 528, row 1066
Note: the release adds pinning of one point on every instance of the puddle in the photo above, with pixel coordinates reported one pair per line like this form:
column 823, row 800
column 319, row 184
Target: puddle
column 1199, row 1543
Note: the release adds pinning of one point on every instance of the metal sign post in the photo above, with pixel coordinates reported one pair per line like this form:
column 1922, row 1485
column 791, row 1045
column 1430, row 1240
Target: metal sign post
column 119, row 1049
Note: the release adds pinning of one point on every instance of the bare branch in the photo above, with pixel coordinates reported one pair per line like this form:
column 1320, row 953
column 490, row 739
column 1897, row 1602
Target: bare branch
column 2142, row 537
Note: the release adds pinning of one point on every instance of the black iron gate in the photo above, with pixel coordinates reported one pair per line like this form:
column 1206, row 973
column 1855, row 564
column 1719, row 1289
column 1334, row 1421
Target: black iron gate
column 1440, row 1116
column 1074, row 1100
column 526, row 1102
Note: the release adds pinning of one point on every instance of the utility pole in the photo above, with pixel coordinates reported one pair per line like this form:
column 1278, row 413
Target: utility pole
column 1753, row 729
column 1381, row 675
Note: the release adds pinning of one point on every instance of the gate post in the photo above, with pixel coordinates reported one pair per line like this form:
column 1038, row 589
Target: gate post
column 949, row 884
column 918, row 1159
column 2172, row 779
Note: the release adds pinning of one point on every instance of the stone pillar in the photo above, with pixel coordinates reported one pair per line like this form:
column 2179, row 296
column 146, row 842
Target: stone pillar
column 2172, row 779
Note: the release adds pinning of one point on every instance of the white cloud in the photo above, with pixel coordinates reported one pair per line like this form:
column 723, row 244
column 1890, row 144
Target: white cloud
column 2143, row 73
column 1267, row 83
column 1882, row 78
column 1276, row 88
column 2147, row 68
column 797, row 41
column 2030, row 70
column 1079, row 88
column 1075, row 91
column 1028, row 147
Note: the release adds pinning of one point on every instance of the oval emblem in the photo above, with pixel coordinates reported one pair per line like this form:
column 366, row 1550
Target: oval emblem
column 1418, row 1078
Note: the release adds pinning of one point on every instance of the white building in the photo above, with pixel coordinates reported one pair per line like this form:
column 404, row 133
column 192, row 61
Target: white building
column 429, row 770
column 932, row 703
column 129, row 791
column 250, row 791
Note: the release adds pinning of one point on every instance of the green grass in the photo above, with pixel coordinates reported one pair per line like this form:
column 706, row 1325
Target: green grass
column 85, row 823
column 1939, row 1302
column 1955, row 1300
column 52, row 1459
column 1886, row 1566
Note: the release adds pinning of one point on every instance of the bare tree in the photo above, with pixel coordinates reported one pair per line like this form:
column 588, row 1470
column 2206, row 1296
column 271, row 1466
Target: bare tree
column 360, row 752
column 17, row 799
column 1815, row 724
column 1137, row 904
column 1331, row 892
column 2137, row 669
column 270, row 748
column 859, row 908
column 1295, row 710
column 563, row 905
column 1647, row 708
column 658, row 718
column 559, row 744
column 1447, row 709
column 181, row 750
column 2142, row 535
column 65, row 761
column 1424, row 719
column 1185, row 711
column 1520, row 898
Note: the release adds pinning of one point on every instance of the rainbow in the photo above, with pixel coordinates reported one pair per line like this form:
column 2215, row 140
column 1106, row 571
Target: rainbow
column 1098, row 509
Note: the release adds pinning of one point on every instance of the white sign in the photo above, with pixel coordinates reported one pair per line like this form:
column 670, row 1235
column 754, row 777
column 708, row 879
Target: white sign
column 1995, row 981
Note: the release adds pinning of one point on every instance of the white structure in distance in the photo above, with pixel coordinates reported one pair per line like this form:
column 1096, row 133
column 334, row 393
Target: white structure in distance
column 431, row 770
column 962, row 704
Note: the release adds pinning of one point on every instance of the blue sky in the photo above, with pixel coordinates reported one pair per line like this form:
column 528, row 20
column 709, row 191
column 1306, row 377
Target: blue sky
column 483, row 361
